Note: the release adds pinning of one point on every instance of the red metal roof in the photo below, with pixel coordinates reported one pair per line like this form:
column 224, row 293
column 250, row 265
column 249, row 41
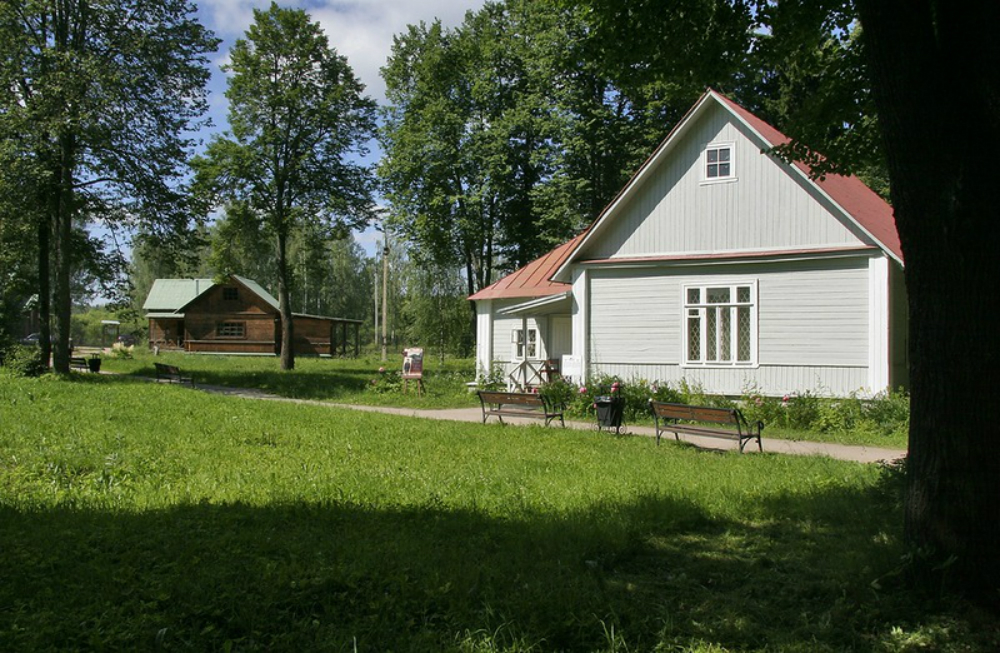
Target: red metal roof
column 864, row 205
column 533, row 280
column 873, row 213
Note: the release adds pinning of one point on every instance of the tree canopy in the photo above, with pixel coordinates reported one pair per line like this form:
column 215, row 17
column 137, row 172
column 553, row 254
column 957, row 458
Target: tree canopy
column 297, row 115
column 98, row 100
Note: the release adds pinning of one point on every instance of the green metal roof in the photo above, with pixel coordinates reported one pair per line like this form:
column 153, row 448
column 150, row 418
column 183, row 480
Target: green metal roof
column 176, row 316
column 171, row 295
column 258, row 289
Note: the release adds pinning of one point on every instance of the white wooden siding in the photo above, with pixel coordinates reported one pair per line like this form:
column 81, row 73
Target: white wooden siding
column 765, row 208
column 812, row 324
column 484, row 336
column 502, row 328
column 773, row 380
column 560, row 339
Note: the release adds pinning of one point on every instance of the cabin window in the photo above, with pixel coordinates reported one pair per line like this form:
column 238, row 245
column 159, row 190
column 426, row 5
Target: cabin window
column 720, row 327
column 518, row 341
column 718, row 162
column 230, row 294
column 231, row 329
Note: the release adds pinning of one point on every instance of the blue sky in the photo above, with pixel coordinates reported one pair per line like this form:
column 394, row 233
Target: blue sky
column 361, row 30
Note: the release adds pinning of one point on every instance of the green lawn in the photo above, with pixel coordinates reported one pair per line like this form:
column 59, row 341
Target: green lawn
column 343, row 380
column 138, row 516
column 350, row 381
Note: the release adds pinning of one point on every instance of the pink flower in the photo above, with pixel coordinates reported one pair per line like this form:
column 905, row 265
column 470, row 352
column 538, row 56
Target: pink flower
column 785, row 399
column 534, row 391
column 615, row 387
column 583, row 390
column 381, row 370
column 758, row 400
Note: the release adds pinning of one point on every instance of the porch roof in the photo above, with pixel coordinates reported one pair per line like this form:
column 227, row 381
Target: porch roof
column 560, row 303
column 534, row 279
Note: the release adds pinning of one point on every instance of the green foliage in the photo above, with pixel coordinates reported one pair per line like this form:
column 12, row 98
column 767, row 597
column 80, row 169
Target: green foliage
column 221, row 523
column 495, row 379
column 98, row 99
column 341, row 380
column 297, row 116
column 89, row 332
column 24, row 361
column 558, row 392
column 387, row 382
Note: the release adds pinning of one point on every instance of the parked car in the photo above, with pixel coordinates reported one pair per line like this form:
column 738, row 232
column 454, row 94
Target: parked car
column 34, row 337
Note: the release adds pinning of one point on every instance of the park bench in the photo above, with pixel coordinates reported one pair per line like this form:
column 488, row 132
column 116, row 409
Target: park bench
column 675, row 418
column 518, row 404
column 172, row 374
column 78, row 363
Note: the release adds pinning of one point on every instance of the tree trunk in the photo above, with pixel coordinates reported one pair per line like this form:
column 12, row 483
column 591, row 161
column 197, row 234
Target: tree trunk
column 44, row 287
column 63, row 223
column 936, row 74
column 285, row 305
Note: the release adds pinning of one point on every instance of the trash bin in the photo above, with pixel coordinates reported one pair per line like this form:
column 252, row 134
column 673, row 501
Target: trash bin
column 609, row 412
column 94, row 364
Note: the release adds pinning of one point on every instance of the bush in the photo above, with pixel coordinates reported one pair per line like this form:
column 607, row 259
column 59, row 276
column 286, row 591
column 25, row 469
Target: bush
column 494, row 380
column 558, row 392
column 803, row 410
column 21, row 360
column 758, row 407
column 387, row 381
column 122, row 351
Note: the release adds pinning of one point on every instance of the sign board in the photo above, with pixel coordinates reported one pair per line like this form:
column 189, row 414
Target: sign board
column 413, row 363
column 572, row 367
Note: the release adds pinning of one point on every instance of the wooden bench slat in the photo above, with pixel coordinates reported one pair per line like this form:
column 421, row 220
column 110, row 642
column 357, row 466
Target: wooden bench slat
column 517, row 404
column 672, row 414
column 171, row 373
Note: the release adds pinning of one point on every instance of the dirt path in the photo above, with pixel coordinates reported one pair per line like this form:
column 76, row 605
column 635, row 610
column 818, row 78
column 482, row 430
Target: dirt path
column 771, row 445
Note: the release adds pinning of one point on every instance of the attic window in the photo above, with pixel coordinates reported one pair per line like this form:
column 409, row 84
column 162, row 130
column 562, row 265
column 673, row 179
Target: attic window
column 718, row 162
column 230, row 294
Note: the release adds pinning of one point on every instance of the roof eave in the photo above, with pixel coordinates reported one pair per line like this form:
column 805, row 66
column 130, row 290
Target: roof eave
column 562, row 274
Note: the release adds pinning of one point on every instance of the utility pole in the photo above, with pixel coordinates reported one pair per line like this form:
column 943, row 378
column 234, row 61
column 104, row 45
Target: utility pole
column 385, row 293
column 375, row 287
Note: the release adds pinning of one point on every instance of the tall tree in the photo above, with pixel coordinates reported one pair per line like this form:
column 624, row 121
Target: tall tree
column 97, row 95
column 467, row 139
column 297, row 114
column 936, row 72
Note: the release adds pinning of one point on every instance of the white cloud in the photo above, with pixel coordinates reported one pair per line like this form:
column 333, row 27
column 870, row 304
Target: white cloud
column 361, row 30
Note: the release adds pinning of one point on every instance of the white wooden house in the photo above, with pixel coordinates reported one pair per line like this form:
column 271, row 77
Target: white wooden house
column 719, row 264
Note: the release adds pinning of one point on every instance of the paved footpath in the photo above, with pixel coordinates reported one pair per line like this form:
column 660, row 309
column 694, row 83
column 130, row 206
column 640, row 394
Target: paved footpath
column 474, row 414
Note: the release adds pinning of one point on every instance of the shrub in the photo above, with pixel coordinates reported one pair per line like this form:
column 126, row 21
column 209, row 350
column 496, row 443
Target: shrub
column 558, row 392
column 890, row 410
column 120, row 350
column 757, row 407
column 387, row 382
column 21, row 360
column 803, row 410
column 493, row 380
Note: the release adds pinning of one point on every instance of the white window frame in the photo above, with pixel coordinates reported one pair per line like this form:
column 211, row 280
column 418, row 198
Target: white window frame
column 715, row 147
column 700, row 310
column 517, row 349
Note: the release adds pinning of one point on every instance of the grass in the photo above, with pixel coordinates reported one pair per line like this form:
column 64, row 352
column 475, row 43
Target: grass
column 141, row 516
column 350, row 381
column 328, row 379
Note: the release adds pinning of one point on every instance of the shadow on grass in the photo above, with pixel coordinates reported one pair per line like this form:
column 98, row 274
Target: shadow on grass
column 317, row 379
column 338, row 577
